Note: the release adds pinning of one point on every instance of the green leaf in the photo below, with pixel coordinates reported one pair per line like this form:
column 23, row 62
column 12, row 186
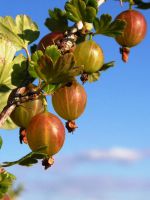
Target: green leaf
column 107, row 65
column 51, row 88
column 29, row 159
column 1, row 142
column 27, row 29
column 7, row 53
column 6, row 180
column 142, row 5
column 20, row 32
column 33, row 63
column 93, row 77
column 53, row 68
column 65, row 69
column 53, row 52
column 19, row 71
column 12, row 70
column 107, row 27
column 79, row 10
column 92, row 3
column 57, row 20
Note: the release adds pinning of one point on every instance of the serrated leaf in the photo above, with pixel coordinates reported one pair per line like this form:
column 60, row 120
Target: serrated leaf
column 57, row 20
column 27, row 29
column 44, row 68
column 20, row 32
column 65, row 69
column 8, row 30
column 93, row 77
column 79, row 10
column 33, row 63
column 12, row 71
column 19, row 72
column 1, row 142
column 53, row 52
column 107, row 27
column 51, row 88
column 60, row 71
column 6, row 180
column 7, row 53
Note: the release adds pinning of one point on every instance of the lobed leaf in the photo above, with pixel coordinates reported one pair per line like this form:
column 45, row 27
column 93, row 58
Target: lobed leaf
column 20, row 32
column 57, row 20
column 12, row 70
column 51, row 88
column 81, row 10
column 52, row 67
column 6, row 180
column 53, row 52
column 104, row 25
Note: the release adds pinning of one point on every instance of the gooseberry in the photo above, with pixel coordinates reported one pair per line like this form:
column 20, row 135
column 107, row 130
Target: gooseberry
column 134, row 31
column 69, row 102
column 46, row 129
column 89, row 55
column 49, row 39
column 23, row 113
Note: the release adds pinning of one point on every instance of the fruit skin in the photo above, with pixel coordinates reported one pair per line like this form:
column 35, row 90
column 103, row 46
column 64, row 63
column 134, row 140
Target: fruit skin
column 135, row 29
column 49, row 39
column 46, row 129
column 23, row 113
column 69, row 102
column 90, row 55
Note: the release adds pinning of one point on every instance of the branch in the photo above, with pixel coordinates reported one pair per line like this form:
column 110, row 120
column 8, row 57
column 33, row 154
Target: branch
column 17, row 97
column 6, row 113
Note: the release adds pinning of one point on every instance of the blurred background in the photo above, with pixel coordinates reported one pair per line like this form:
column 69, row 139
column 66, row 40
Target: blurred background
column 108, row 156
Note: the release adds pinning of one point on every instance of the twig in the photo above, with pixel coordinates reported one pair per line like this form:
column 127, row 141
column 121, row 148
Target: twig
column 6, row 113
column 21, row 98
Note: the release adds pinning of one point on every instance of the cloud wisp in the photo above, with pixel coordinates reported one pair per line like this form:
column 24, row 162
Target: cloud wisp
column 116, row 154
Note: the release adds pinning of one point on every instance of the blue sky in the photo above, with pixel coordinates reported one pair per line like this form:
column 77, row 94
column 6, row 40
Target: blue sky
column 108, row 157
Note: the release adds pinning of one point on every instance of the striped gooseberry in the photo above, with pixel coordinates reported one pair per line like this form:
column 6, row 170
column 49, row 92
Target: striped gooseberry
column 49, row 39
column 89, row 55
column 69, row 103
column 24, row 112
column 46, row 129
column 133, row 33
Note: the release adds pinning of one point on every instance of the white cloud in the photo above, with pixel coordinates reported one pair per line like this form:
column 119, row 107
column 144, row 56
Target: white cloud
column 116, row 154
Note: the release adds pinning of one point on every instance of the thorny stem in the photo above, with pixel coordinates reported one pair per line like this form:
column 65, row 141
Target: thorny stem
column 8, row 109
